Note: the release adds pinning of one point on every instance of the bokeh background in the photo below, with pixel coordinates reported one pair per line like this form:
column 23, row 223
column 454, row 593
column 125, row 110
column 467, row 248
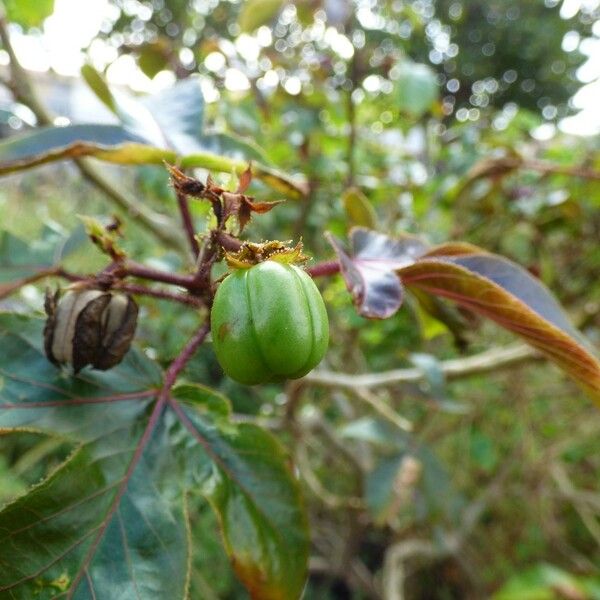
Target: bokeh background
column 453, row 119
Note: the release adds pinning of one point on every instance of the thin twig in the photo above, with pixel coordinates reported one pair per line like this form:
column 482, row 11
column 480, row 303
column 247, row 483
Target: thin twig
column 6, row 289
column 188, row 223
column 394, row 573
column 323, row 269
column 490, row 360
column 329, row 499
column 383, row 409
column 545, row 167
column 137, row 270
column 184, row 356
column 142, row 290
column 569, row 491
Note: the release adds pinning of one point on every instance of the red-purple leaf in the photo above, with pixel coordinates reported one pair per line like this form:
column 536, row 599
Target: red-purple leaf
column 369, row 269
column 507, row 294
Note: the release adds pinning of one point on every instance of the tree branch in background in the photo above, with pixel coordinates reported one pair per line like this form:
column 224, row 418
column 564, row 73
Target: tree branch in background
column 383, row 409
column 501, row 166
column 20, row 85
column 490, row 360
column 450, row 544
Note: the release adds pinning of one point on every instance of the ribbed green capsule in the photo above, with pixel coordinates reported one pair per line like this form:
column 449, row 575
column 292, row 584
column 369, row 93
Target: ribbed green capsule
column 269, row 323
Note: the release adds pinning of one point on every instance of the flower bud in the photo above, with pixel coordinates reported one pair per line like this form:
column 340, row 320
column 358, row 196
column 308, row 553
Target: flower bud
column 89, row 327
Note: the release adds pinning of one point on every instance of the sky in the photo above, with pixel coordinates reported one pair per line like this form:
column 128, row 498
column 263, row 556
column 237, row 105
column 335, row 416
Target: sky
column 60, row 47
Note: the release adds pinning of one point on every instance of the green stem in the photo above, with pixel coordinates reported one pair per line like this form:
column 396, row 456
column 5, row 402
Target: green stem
column 276, row 179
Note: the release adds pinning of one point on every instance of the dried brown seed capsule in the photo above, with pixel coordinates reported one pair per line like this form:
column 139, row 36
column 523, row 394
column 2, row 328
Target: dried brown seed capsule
column 89, row 327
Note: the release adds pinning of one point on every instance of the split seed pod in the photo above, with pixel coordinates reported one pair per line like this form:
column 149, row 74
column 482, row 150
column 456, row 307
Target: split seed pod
column 89, row 327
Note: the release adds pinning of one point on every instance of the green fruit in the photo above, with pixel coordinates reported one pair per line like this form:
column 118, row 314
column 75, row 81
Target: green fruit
column 269, row 323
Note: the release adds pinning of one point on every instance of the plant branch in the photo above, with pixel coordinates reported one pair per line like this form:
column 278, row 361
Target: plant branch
column 141, row 290
column 188, row 223
column 383, row 409
column 19, row 81
column 323, row 269
column 569, row 491
column 490, row 360
column 449, row 544
column 545, row 167
column 329, row 499
column 6, row 289
column 141, row 271
column 184, row 356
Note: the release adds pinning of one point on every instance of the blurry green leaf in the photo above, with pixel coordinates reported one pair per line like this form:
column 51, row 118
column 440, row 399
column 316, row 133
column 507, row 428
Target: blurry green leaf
column 28, row 13
column 379, row 486
column 162, row 127
column 153, row 57
column 358, row 209
column 417, row 88
column 113, row 143
column 255, row 13
column 106, row 142
column 483, row 450
column 544, row 582
column 99, row 86
column 178, row 113
column 424, row 478
column 438, row 317
column 21, row 261
column 376, row 432
column 17, row 260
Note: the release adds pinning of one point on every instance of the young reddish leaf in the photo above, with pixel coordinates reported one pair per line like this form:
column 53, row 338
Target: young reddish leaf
column 245, row 180
column 506, row 293
column 369, row 269
column 247, row 206
column 452, row 249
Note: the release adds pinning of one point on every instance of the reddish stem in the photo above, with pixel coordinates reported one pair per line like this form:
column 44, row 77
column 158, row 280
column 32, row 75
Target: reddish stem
column 179, row 363
column 136, row 270
column 227, row 242
column 323, row 269
column 188, row 223
column 142, row 290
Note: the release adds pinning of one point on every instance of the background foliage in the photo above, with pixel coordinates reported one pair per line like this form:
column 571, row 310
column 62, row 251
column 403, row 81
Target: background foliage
column 430, row 118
